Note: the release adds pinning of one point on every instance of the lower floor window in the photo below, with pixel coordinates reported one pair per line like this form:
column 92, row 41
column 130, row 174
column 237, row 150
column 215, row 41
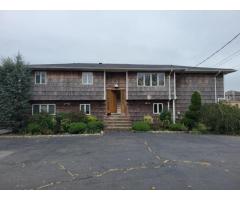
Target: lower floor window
column 86, row 108
column 44, row 108
column 157, row 108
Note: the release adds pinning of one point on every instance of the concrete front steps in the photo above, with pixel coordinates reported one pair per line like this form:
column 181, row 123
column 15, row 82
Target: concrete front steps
column 117, row 121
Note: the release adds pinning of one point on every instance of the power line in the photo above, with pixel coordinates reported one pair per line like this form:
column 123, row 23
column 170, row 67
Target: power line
column 218, row 50
column 228, row 58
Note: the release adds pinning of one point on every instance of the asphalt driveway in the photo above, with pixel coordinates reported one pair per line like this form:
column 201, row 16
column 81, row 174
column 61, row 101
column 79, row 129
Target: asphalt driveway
column 121, row 161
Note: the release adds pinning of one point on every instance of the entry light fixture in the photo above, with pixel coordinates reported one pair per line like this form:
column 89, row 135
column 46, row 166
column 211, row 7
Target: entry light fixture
column 116, row 85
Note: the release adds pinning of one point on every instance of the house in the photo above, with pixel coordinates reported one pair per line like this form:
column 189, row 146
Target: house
column 122, row 92
column 233, row 98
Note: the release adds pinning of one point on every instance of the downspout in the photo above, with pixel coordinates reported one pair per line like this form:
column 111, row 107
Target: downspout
column 169, row 89
column 174, row 98
column 126, row 85
column 104, row 85
column 215, row 86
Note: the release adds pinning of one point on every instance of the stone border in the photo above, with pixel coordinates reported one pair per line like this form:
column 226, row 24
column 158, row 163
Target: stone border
column 50, row 136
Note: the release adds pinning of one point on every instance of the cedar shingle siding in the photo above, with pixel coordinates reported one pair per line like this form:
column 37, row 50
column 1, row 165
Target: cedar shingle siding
column 67, row 85
column 65, row 89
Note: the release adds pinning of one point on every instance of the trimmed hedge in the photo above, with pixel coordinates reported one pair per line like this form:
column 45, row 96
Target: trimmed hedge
column 141, row 126
column 77, row 128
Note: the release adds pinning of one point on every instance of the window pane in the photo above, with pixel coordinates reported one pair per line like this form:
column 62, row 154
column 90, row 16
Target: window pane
column 90, row 78
column 155, row 108
column 37, row 77
column 87, row 109
column 154, row 79
column 147, row 79
column 43, row 77
column 43, row 109
column 84, row 78
column 161, row 78
column 51, row 109
column 82, row 108
column 140, row 79
column 35, row 109
column 160, row 107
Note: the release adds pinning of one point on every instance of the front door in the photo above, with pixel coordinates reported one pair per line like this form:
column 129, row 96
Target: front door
column 111, row 101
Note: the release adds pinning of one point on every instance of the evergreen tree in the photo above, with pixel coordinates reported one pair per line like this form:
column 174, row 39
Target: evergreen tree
column 15, row 85
column 192, row 115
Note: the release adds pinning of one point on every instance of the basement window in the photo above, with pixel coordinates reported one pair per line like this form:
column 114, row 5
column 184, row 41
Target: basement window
column 157, row 108
column 44, row 108
column 40, row 77
column 85, row 108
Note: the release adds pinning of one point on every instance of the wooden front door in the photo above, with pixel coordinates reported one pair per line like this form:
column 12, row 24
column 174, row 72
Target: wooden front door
column 111, row 101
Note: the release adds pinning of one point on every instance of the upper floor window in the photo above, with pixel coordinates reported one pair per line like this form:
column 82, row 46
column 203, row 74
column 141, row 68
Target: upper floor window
column 151, row 79
column 44, row 108
column 87, row 78
column 85, row 108
column 40, row 77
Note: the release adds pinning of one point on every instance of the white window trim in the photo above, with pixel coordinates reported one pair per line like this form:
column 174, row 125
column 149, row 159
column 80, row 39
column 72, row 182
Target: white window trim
column 157, row 113
column 40, row 105
column 40, row 77
column 85, row 104
column 87, row 73
column 144, row 74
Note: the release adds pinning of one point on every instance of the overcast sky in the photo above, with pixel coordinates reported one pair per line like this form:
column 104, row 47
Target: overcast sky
column 137, row 37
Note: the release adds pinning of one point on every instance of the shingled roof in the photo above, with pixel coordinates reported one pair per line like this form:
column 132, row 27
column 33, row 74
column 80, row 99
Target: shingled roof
column 127, row 67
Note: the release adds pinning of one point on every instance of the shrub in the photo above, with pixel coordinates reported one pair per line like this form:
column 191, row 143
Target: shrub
column 65, row 124
column 94, row 126
column 165, row 115
column 91, row 118
column 141, row 126
column 221, row 118
column 75, row 116
column 192, row 115
column 200, row 127
column 33, row 128
column 148, row 119
column 177, row 127
column 77, row 127
column 44, row 120
column 57, row 126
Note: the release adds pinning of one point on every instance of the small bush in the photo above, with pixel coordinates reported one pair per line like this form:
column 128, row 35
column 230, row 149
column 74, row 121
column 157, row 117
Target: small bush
column 33, row 128
column 177, row 127
column 200, row 127
column 65, row 124
column 44, row 120
column 91, row 118
column 165, row 115
column 75, row 116
column 141, row 126
column 77, row 128
column 94, row 126
column 148, row 119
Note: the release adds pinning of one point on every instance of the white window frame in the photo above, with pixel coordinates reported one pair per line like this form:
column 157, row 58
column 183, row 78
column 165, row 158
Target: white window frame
column 144, row 74
column 41, row 74
column 157, row 113
column 87, row 74
column 85, row 105
column 40, row 105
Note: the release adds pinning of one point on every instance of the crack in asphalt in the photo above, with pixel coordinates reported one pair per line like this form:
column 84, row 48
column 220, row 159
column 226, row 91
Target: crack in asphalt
column 162, row 162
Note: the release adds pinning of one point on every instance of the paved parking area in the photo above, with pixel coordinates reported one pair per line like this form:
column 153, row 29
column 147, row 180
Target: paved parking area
column 121, row 161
